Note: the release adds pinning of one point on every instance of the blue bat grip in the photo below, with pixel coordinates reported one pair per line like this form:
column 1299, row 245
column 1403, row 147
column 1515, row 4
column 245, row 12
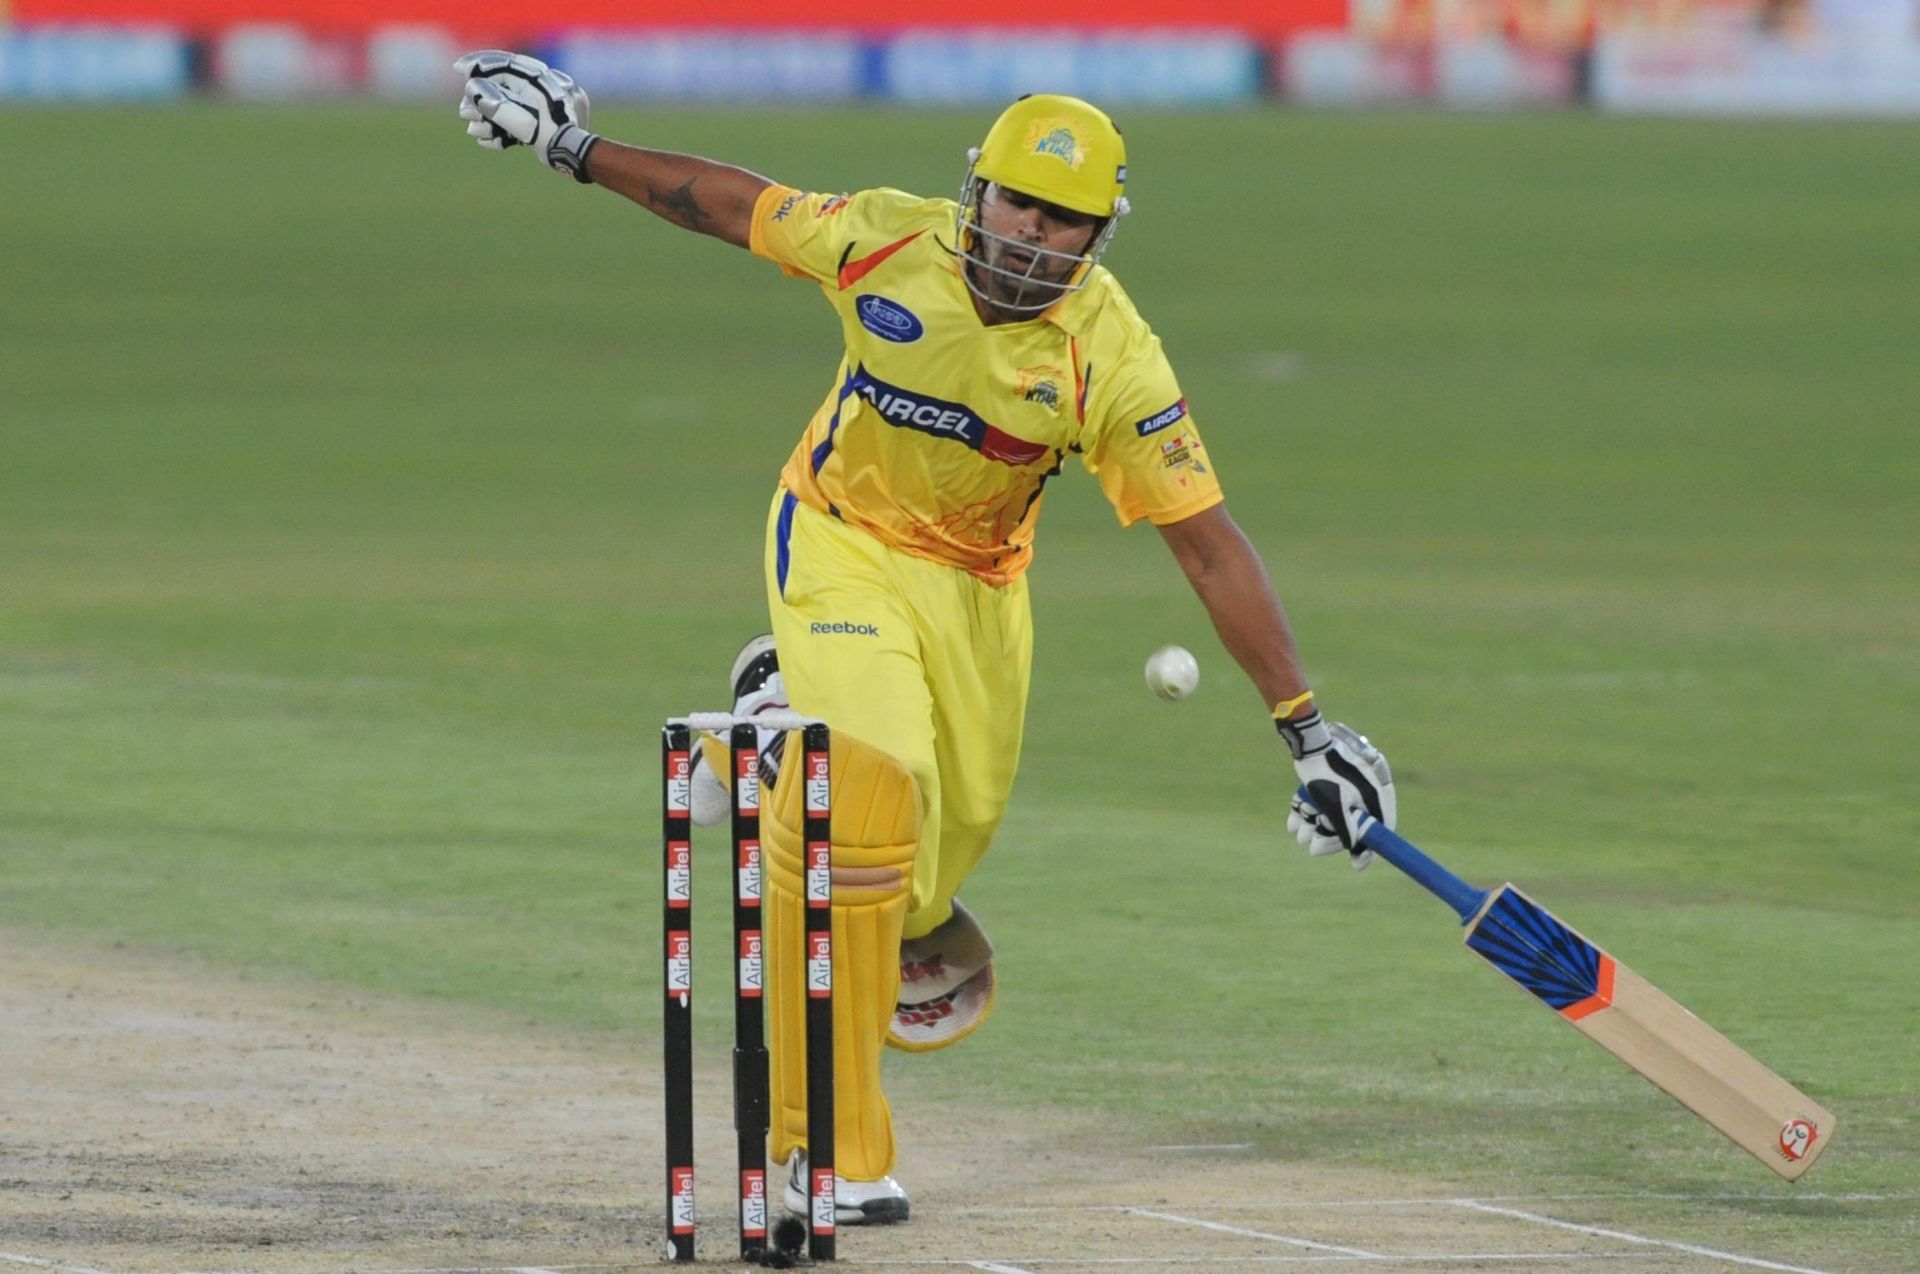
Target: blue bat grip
column 1437, row 880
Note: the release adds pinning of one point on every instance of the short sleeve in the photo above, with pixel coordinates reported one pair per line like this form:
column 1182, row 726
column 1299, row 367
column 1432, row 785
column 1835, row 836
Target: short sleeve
column 1144, row 447
column 804, row 234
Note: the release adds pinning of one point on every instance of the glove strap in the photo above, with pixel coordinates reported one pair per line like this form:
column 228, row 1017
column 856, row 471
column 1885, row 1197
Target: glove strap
column 1305, row 736
column 568, row 151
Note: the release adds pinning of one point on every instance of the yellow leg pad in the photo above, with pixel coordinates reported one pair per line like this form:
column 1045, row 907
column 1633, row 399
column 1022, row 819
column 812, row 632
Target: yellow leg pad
column 876, row 828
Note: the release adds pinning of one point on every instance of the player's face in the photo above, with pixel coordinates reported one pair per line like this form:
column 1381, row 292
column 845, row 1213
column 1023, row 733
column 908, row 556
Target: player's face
column 1021, row 231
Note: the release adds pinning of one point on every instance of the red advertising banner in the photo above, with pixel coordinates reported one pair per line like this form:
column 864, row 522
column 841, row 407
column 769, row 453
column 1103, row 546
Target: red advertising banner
column 1266, row 18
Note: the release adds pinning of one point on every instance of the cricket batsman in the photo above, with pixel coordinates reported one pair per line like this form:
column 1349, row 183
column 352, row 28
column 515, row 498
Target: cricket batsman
column 986, row 347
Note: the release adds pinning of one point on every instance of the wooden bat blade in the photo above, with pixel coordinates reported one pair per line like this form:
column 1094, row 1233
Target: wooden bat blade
column 1625, row 1014
column 1644, row 1027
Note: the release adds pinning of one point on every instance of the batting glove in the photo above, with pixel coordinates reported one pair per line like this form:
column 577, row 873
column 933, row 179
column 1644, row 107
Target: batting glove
column 1348, row 783
column 514, row 100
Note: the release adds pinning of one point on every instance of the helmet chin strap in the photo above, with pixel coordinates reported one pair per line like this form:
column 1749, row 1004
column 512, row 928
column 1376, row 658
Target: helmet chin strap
column 969, row 236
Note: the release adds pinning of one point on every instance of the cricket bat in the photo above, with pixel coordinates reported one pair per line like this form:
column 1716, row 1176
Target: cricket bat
column 1625, row 1014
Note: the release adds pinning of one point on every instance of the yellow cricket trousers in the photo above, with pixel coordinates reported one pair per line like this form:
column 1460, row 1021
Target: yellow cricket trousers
column 921, row 660
column 929, row 665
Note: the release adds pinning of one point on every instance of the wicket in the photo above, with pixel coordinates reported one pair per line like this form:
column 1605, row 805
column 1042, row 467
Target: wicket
column 750, row 1060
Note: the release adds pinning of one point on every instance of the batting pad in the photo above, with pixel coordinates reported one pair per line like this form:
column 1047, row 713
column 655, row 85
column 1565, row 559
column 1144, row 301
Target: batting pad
column 876, row 830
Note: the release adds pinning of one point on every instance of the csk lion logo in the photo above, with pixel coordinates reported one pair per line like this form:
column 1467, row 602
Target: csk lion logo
column 1040, row 385
column 1053, row 137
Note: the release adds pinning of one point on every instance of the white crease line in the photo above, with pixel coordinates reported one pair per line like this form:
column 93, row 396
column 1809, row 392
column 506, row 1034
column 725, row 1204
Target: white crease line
column 1419, row 1258
column 452, row 1269
column 1625, row 1237
column 1265, row 1258
column 1682, row 1196
column 1797, row 1196
column 490, row 1269
column 43, row 1263
column 1249, row 1234
column 1223, row 1145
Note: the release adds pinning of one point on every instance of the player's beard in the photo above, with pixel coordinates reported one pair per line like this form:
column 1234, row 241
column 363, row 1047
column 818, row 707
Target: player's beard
column 1021, row 278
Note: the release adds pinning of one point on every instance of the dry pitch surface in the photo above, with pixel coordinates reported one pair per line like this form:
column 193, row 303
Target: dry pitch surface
column 159, row 1118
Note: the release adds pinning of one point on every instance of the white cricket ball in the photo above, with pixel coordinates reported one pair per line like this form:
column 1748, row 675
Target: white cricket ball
column 1172, row 672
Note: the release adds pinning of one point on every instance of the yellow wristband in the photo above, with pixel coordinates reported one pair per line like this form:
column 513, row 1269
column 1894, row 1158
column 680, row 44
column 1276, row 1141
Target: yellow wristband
column 1281, row 711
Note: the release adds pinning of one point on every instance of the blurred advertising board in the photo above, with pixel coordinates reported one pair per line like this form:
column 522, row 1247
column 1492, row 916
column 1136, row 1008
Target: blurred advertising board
column 1578, row 24
column 1121, row 68
column 712, row 65
column 1478, row 73
column 1338, row 68
column 267, row 61
column 1756, row 74
column 1726, row 57
column 280, row 61
column 1264, row 19
column 1536, row 24
column 1476, row 54
column 1164, row 52
column 89, row 63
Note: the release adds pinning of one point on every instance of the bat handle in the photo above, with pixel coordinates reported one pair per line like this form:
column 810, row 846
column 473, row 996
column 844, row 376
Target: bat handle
column 1465, row 900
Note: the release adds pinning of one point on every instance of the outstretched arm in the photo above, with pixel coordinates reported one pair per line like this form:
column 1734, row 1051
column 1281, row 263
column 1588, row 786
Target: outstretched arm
column 694, row 193
column 1231, row 581
column 1344, row 773
column 511, row 100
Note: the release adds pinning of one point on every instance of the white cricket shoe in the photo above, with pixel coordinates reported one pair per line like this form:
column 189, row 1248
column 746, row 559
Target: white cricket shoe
column 882, row 1202
column 755, row 681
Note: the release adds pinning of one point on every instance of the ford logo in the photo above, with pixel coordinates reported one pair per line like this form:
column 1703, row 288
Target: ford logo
column 888, row 320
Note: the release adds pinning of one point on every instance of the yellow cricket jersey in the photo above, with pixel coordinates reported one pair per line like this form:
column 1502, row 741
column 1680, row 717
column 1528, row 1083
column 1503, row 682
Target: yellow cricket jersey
column 940, row 432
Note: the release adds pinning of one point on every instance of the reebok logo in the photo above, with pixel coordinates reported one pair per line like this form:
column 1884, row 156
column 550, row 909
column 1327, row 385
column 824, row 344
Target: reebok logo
column 847, row 630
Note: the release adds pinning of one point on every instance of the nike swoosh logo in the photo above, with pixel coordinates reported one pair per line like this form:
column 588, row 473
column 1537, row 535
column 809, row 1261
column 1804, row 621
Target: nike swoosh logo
column 854, row 271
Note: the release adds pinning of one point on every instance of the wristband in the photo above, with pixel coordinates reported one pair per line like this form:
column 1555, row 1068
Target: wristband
column 1287, row 707
column 1305, row 736
column 568, row 151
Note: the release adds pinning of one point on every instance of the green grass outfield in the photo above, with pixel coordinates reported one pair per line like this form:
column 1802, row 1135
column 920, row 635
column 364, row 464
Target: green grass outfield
column 366, row 499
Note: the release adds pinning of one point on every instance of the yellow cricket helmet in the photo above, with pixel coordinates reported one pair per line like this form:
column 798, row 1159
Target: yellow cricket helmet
column 1053, row 148
column 1059, row 149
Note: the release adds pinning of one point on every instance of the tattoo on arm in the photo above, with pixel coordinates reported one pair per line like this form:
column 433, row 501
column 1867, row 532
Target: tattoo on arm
column 679, row 206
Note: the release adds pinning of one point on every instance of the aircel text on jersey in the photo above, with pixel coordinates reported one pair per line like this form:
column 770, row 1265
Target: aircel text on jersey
column 935, row 416
column 939, row 418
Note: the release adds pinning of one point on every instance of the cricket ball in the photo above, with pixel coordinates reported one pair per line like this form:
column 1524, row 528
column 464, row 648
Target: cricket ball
column 1172, row 672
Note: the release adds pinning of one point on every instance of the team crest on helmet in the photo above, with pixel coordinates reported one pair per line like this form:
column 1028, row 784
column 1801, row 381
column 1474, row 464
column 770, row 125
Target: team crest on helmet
column 1054, row 137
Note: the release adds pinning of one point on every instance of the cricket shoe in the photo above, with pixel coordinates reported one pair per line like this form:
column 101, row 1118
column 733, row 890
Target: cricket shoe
column 881, row 1202
column 755, row 681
